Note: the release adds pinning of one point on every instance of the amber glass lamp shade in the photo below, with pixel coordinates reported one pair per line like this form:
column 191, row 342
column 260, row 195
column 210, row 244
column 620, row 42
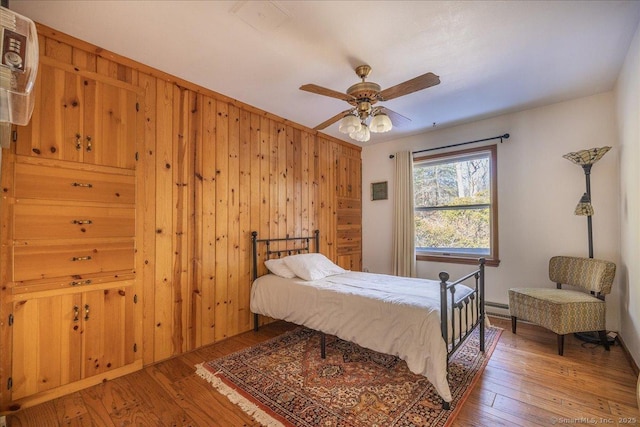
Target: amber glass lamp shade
column 584, row 207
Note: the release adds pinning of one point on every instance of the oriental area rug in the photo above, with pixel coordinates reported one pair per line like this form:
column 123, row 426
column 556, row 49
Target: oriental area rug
column 285, row 382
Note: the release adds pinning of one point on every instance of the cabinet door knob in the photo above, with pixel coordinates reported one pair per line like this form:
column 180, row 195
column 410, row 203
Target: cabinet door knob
column 78, row 142
column 76, row 313
column 80, row 282
column 86, row 312
column 89, row 148
column 81, row 258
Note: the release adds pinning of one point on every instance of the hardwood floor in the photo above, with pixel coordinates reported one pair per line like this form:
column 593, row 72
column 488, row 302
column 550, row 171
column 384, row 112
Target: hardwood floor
column 524, row 384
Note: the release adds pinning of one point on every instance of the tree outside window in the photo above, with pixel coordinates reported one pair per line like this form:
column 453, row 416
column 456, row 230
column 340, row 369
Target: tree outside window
column 456, row 206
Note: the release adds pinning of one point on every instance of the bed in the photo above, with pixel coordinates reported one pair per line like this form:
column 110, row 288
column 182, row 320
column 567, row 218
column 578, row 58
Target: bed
column 421, row 321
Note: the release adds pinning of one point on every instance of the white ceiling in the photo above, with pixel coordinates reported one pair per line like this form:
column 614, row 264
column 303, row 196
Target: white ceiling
column 492, row 57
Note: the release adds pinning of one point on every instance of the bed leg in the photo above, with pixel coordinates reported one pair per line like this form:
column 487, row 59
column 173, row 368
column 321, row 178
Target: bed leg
column 482, row 338
column 446, row 405
column 255, row 322
column 323, row 345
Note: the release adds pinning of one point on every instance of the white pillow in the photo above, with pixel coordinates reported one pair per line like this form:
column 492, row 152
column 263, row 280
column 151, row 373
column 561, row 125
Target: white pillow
column 278, row 267
column 312, row 266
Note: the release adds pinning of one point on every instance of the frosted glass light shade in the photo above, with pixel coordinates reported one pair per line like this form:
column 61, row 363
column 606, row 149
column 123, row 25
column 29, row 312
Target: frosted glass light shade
column 362, row 135
column 380, row 123
column 349, row 124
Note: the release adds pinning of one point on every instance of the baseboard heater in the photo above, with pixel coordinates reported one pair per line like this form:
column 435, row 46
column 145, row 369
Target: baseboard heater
column 497, row 309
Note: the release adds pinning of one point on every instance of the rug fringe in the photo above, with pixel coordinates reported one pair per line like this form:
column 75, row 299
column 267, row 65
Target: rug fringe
column 234, row 397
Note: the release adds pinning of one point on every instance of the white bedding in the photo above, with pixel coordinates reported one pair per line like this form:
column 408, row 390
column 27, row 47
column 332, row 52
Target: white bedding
column 389, row 314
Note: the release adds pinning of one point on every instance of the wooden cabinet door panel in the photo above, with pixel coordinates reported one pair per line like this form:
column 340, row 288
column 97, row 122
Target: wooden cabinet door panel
column 56, row 127
column 62, row 339
column 79, row 119
column 108, row 324
column 47, row 346
column 50, row 261
column 110, row 125
column 34, row 222
column 53, row 183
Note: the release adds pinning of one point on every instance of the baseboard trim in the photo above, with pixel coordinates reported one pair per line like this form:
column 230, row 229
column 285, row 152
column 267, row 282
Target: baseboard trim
column 627, row 354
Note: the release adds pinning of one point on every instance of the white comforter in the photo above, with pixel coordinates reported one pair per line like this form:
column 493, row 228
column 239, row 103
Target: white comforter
column 389, row 314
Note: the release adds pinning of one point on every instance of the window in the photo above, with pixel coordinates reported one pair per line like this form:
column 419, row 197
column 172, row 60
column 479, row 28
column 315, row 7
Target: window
column 456, row 206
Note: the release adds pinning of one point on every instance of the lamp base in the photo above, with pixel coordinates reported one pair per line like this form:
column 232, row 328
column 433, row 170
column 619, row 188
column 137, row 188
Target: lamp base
column 593, row 337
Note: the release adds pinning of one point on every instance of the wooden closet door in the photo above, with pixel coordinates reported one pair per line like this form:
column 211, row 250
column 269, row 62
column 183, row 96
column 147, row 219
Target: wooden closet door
column 47, row 349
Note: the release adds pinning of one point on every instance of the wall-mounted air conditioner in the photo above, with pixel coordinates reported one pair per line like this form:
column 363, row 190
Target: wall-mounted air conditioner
column 18, row 70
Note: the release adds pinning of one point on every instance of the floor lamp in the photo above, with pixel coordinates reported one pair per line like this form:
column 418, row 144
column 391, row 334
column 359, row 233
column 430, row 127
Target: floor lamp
column 586, row 159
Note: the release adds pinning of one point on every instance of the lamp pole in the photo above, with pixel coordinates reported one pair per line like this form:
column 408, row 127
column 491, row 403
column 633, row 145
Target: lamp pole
column 587, row 175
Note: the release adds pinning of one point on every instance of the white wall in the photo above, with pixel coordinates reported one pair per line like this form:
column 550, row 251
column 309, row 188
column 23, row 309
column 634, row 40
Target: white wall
column 537, row 193
column 628, row 105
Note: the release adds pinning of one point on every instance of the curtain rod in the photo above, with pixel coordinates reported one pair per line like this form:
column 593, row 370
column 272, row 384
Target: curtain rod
column 500, row 137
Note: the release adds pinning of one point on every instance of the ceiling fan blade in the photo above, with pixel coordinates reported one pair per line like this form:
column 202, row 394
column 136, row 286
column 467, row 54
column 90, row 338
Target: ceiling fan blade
column 418, row 83
column 396, row 118
column 326, row 92
column 332, row 120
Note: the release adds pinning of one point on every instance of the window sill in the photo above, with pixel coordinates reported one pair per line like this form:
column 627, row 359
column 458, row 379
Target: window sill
column 491, row 262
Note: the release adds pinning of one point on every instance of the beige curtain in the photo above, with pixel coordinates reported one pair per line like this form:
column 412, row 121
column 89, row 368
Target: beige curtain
column 404, row 257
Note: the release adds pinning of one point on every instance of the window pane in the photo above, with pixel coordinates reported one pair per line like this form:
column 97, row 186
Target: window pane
column 461, row 181
column 454, row 231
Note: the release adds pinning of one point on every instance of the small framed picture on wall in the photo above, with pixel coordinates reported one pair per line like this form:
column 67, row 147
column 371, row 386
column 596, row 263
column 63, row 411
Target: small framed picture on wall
column 379, row 191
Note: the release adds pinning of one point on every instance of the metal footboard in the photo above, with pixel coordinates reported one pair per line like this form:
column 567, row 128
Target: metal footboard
column 471, row 306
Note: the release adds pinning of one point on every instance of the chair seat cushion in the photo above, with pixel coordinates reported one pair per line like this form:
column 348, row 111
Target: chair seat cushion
column 561, row 310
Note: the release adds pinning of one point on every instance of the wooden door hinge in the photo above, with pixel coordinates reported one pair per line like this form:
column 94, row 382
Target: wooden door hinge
column 11, row 320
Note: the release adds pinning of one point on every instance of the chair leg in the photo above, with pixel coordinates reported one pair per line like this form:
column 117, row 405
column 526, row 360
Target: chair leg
column 603, row 338
column 560, row 344
column 514, row 319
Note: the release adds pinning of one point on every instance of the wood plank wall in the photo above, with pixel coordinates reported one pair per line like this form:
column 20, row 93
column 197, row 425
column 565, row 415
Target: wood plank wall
column 210, row 170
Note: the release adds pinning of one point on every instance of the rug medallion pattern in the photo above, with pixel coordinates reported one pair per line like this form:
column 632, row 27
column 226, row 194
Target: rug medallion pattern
column 284, row 381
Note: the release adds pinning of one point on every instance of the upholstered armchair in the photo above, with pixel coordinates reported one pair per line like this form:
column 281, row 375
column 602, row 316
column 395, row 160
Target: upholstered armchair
column 565, row 311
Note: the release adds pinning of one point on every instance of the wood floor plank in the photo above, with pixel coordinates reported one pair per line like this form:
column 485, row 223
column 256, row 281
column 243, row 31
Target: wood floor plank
column 525, row 383
column 71, row 410
column 95, row 409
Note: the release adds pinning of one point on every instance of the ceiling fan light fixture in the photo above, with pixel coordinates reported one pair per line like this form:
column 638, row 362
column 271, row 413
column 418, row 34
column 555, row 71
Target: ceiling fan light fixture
column 380, row 123
column 350, row 124
column 361, row 135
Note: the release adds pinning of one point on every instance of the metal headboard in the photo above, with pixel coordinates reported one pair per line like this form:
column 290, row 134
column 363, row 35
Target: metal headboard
column 301, row 244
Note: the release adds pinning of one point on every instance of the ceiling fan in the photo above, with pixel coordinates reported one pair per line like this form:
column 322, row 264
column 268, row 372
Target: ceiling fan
column 362, row 96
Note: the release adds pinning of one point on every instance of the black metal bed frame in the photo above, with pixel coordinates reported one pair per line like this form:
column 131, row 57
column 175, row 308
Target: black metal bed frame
column 475, row 299
column 472, row 304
